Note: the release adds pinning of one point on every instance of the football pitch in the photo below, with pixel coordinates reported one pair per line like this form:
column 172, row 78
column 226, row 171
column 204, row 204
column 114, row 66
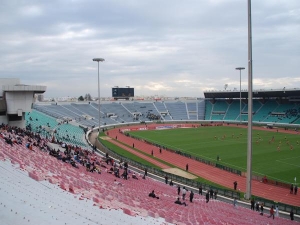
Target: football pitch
column 276, row 155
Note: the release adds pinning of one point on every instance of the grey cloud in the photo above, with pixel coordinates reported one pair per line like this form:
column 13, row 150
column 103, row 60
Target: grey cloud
column 165, row 44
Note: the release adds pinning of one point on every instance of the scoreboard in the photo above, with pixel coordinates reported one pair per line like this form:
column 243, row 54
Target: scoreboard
column 122, row 93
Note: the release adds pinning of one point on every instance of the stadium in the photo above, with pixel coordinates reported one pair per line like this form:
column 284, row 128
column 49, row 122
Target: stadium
column 164, row 143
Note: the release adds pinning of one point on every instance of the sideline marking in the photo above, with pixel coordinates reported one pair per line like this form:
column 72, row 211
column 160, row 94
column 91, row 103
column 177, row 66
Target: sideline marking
column 288, row 163
column 290, row 158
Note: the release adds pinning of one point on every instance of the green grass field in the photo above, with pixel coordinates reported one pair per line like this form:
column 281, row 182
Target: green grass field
column 209, row 142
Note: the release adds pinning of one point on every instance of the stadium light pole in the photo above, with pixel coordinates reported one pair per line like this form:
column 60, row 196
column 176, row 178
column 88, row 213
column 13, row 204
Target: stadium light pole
column 240, row 69
column 250, row 105
column 98, row 60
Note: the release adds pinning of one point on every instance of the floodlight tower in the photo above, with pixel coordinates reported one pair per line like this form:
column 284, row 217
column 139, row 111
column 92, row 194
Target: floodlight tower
column 98, row 60
column 250, row 105
column 240, row 69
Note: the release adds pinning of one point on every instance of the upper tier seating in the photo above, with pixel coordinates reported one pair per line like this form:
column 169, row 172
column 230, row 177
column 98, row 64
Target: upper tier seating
column 124, row 112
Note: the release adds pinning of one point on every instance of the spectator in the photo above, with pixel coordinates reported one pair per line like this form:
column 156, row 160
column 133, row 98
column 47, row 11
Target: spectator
column 262, row 209
column 276, row 211
column 118, row 183
column 183, row 193
column 252, row 204
column 207, row 197
column 272, row 212
column 179, row 202
column 200, row 190
column 211, row 193
column 234, row 203
column 235, row 185
column 257, row 206
column 292, row 214
column 134, row 176
column 215, row 194
column 152, row 195
column 191, row 196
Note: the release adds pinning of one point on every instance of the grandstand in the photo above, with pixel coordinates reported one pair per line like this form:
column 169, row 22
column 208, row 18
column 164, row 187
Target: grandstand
column 66, row 121
column 89, row 193
column 274, row 107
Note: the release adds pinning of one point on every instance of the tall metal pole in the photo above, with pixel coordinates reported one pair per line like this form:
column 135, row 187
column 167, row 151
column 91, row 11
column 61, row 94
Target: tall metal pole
column 240, row 96
column 98, row 60
column 240, row 69
column 250, row 104
column 99, row 98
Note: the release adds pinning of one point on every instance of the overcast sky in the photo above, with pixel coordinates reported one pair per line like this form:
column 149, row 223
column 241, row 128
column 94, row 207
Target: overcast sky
column 159, row 47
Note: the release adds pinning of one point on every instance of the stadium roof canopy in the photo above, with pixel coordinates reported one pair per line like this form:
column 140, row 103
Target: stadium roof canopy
column 261, row 93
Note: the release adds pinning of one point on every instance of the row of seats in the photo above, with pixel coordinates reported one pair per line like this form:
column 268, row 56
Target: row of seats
column 48, row 126
column 122, row 112
column 222, row 110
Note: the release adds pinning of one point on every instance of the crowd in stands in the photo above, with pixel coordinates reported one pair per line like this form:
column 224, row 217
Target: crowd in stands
column 152, row 116
column 15, row 135
column 71, row 154
column 292, row 113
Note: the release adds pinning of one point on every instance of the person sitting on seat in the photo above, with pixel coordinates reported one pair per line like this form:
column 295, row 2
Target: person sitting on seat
column 152, row 195
column 180, row 203
column 134, row 176
column 72, row 162
column 118, row 183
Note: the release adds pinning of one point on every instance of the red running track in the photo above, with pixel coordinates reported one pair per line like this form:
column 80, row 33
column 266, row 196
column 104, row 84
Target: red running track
column 224, row 178
column 141, row 155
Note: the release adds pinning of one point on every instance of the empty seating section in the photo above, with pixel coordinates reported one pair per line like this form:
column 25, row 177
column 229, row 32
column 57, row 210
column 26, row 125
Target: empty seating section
column 121, row 113
column 192, row 110
column 201, row 110
column 177, row 110
column 104, row 119
column 233, row 112
column 74, row 111
column 88, row 114
column 132, row 109
column 256, row 106
column 217, row 117
column 191, row 106
column 70, row 134
column 219, row 109
column 220, row 106
column 108, row 116
column 51, row 110
column 297, row 121
column 265, row 110
column 208, row 109
column 162, row 109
